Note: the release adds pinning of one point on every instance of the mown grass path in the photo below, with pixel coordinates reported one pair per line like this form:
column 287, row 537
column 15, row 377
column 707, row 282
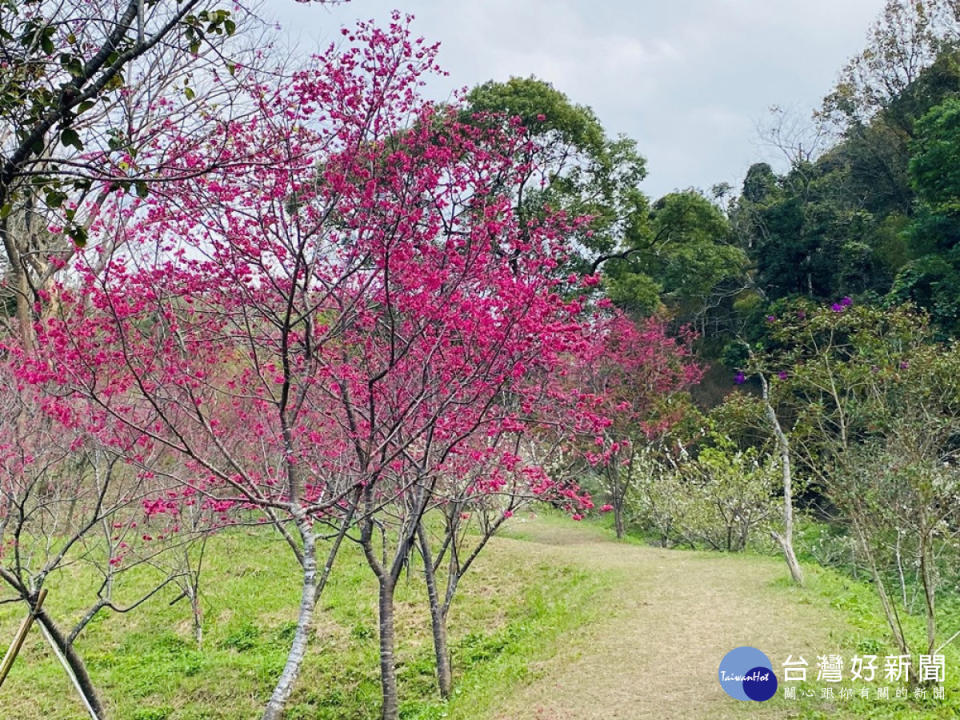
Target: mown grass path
column 669, row 618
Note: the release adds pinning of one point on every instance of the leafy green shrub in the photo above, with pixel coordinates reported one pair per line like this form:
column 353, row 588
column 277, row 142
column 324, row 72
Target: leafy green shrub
column 716, row 500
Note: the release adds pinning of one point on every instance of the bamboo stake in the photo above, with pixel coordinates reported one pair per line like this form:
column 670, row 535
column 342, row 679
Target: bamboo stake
column 20, row 637
column 66, row 666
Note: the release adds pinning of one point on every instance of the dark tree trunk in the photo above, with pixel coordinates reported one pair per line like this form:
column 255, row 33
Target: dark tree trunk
column 77, row 666
column 63, row 643
column 388, row 671
column 438, row 618
column 618, row 517
column 444, row 669
column 929, row 590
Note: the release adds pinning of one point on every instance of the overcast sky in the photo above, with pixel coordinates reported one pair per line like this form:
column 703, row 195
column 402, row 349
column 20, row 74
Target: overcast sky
column 690, row 80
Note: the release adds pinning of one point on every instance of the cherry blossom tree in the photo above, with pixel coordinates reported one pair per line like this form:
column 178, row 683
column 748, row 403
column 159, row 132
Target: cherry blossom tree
column 628, row 374
column 66, row 500
column 539, row 454
column 496, row 479
column 314, row 336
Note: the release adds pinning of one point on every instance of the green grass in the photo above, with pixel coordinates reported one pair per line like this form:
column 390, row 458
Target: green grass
column 514, row 610
column 511, row 610
column 867, row 632
column 850, row 591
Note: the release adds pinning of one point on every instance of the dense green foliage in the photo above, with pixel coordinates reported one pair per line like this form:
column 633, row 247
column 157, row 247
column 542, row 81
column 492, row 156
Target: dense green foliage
column 871, row 217
column 675, row 255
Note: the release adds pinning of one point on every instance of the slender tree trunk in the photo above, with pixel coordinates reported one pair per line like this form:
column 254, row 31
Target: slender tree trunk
column 74, row 660
column 386, row 579
column 197, row 617
column 786, row 539
column 903, row 582
column 617, row 496
column 889, row 611
column 308, row 598
column 388, row 670
column 20, row 284
column 929, row 589
column 438, row 618
column 64, row 644
column 387, row 576
column 191, row 588
column 24, row 310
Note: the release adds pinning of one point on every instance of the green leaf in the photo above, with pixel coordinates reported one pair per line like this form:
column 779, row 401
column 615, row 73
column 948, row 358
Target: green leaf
column 78, row 235
column 188, row 91
column 69, row 136
column 193, row 36
column 55, row 198
column 72, row 64
column 115, row 83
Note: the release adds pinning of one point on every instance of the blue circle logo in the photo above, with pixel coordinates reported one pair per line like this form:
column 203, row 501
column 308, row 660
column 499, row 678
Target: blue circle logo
column 746, row 674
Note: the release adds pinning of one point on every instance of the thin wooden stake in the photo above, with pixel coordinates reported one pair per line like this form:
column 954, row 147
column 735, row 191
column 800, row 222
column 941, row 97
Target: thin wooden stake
column 20, row 637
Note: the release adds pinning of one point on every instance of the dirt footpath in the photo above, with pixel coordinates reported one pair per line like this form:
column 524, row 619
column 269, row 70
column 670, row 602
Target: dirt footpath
column 671, row 618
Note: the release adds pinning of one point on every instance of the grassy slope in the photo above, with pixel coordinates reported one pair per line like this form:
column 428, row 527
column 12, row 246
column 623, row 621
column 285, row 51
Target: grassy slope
column 525, row 620
column 148, row 667
column 867, row 633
